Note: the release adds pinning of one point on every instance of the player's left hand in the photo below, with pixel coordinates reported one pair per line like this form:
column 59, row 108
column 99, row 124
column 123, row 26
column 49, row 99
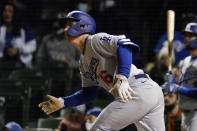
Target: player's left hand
column 52, row 105
column 122, row 88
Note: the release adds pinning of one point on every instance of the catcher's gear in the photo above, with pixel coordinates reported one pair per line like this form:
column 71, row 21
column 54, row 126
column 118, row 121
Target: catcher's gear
column 122, row 88
column 191, row 28
column 85, row 23
column 52, row 105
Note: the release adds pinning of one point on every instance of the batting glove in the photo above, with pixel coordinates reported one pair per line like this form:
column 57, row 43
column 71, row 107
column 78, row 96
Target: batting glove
column 52, row 105
column 122, row 88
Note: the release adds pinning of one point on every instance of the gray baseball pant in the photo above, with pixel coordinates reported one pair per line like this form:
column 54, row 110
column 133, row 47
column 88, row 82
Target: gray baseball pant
column 145, row 110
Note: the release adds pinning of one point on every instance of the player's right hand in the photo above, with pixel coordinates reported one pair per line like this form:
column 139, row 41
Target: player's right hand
column 52, row 105
column 122, row 88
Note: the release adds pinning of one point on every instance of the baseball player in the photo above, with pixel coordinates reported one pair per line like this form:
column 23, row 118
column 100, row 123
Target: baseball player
column 106, row 61
column 187, row 88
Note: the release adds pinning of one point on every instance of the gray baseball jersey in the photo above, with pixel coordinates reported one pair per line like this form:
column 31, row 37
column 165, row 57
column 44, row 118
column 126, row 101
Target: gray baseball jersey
column 188, row 79
column 98, row 66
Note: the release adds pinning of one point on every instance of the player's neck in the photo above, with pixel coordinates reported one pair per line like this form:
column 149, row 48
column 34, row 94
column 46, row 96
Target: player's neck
column 80, row 42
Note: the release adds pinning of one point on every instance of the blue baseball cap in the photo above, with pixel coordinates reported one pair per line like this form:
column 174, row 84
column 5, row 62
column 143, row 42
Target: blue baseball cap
column 13, row 126
column 193, row 44
column 94, row 111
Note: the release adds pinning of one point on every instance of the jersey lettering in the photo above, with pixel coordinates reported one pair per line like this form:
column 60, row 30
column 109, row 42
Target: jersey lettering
column 107, row 78
column 106, row 38
column 91, row 74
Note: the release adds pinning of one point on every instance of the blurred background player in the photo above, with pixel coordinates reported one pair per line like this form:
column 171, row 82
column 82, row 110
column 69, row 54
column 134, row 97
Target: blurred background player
column 190, row 33
column 187, row 88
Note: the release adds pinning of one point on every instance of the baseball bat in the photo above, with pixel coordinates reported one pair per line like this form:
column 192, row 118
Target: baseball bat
column 170, row 35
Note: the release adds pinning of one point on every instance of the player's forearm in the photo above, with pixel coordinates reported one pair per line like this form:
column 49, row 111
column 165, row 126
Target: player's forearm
column 190, row 92
column 124, row 60
column 83, row 96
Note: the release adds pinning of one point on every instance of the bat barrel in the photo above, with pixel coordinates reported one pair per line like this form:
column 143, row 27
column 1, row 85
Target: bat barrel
column 170, row 35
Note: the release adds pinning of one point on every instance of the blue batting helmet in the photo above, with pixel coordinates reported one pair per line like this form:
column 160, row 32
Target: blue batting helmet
column 85, row 23
column 191, row 28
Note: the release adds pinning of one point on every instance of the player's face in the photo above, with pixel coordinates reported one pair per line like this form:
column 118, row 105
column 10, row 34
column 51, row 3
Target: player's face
column 189, row 37
column 8, row 13
column 193, row 53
